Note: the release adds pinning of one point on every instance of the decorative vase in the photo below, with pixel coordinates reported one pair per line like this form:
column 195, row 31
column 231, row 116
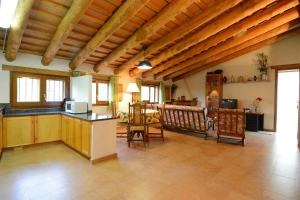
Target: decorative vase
column 264, row 77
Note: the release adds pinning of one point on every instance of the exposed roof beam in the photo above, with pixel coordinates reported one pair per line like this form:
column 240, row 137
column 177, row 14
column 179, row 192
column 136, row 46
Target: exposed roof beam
column 65, row 27
column 234, row 30
column 205, row 16
column 119, row 18
column 167, row 14
column 229, row 54
column 245, row 9
column 235, row 43
column 237, row 40
column 17, row 28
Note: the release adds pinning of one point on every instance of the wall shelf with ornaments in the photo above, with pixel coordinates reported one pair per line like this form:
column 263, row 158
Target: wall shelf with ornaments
column 257, row 81
column 241, row 80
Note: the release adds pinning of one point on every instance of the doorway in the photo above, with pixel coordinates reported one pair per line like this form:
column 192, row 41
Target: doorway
column 287, row 106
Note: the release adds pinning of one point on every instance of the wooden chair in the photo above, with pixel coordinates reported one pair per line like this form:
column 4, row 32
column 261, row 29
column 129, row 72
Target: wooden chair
column 231, row 124
column 157, row 124
column 137, row 127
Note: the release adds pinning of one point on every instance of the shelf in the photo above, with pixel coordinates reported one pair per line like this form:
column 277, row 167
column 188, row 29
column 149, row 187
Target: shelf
column 257, row 81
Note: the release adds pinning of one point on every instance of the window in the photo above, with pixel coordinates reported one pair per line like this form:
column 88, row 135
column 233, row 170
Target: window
column 150, row 93
column 28, row 89
column 100, row 92
column 32, row 90
column 55, row 91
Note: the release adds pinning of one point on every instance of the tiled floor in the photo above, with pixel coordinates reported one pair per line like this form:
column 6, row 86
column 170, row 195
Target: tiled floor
column 183, row 167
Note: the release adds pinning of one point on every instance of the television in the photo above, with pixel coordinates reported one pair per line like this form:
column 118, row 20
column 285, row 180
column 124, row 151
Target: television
column 228, row 103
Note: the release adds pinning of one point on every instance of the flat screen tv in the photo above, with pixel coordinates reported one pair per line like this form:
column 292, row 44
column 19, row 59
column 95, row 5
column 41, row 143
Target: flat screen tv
column 228, row 103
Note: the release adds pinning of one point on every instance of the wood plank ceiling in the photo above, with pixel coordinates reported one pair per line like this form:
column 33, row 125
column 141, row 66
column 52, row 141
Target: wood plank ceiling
column 182, row 37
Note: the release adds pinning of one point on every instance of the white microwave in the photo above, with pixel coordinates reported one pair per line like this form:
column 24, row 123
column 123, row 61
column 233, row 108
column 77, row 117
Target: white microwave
column 76, row 107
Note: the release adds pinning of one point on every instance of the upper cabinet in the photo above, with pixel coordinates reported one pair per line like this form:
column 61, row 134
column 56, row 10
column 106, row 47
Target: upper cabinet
column 214, row 93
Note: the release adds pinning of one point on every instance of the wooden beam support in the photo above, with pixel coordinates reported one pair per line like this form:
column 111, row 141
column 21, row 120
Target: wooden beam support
column 236, row 29
column 199, row 20
column 241, row 11
column 286, row 67
column 119, row 18
column 277, row 21
column 17, row 28
column 65, row 27
column 240, row 52
column 167, row 14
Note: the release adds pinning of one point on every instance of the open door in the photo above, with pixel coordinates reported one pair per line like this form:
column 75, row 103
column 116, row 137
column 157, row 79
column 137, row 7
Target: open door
column 282, row 68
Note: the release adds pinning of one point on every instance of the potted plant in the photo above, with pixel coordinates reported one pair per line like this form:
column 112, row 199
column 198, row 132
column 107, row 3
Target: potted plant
column 262, row 63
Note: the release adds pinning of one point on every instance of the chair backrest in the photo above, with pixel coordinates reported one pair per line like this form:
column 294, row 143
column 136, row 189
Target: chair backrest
column 137, row 114
column 113, row 108
column 231, row 122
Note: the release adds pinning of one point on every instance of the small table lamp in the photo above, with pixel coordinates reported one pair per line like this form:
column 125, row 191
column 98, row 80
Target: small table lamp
column 132, row 88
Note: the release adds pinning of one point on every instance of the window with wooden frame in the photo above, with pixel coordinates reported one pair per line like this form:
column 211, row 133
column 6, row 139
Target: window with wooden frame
column 150, row 93
column 100, row 92
column 36, row 90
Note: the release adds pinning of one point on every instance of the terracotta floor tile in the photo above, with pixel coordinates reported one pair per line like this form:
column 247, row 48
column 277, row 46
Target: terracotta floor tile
column 182, row 167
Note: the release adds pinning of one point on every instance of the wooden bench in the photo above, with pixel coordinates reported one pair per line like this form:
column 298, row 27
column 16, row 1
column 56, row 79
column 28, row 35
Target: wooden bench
column 184, row 118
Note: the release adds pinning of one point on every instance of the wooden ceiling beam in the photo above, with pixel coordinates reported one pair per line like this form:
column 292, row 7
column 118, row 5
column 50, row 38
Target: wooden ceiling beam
column 236, row 52
column 187, row 27
column 72, row 17
column 223, row 21
column 17, row 29
column 236, row 29
column 279, row 20
column 127, row 10
column 167, row 14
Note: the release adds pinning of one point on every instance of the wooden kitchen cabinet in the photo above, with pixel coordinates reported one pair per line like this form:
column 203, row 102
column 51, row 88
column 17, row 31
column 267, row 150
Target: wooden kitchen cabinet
column 77, row 135
column 18, row 131
column 47, row 128
column 64, row 128
column 1, row 135
column 70, row 132
column 25, row 130
column 86, row 138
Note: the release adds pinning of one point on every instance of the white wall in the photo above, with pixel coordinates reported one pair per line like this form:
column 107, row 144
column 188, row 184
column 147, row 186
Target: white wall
column 283, row 52
column 34, row 61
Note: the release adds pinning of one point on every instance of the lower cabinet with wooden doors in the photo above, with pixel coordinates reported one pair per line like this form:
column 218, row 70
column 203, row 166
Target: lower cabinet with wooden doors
column 47, row 128
column 18, row 131
column 26, row 130
column 76, row 134
column 1, row 141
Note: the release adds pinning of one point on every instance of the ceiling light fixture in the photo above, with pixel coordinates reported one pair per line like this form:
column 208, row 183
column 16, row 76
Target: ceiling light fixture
column 145, row 64
column 7, row 12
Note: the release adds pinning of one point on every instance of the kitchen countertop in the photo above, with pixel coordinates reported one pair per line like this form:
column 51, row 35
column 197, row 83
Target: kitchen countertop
column 86, row 116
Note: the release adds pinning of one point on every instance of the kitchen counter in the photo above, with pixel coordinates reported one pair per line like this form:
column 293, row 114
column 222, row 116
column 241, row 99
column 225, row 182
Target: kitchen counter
column 97, row 133
column 86, row 116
